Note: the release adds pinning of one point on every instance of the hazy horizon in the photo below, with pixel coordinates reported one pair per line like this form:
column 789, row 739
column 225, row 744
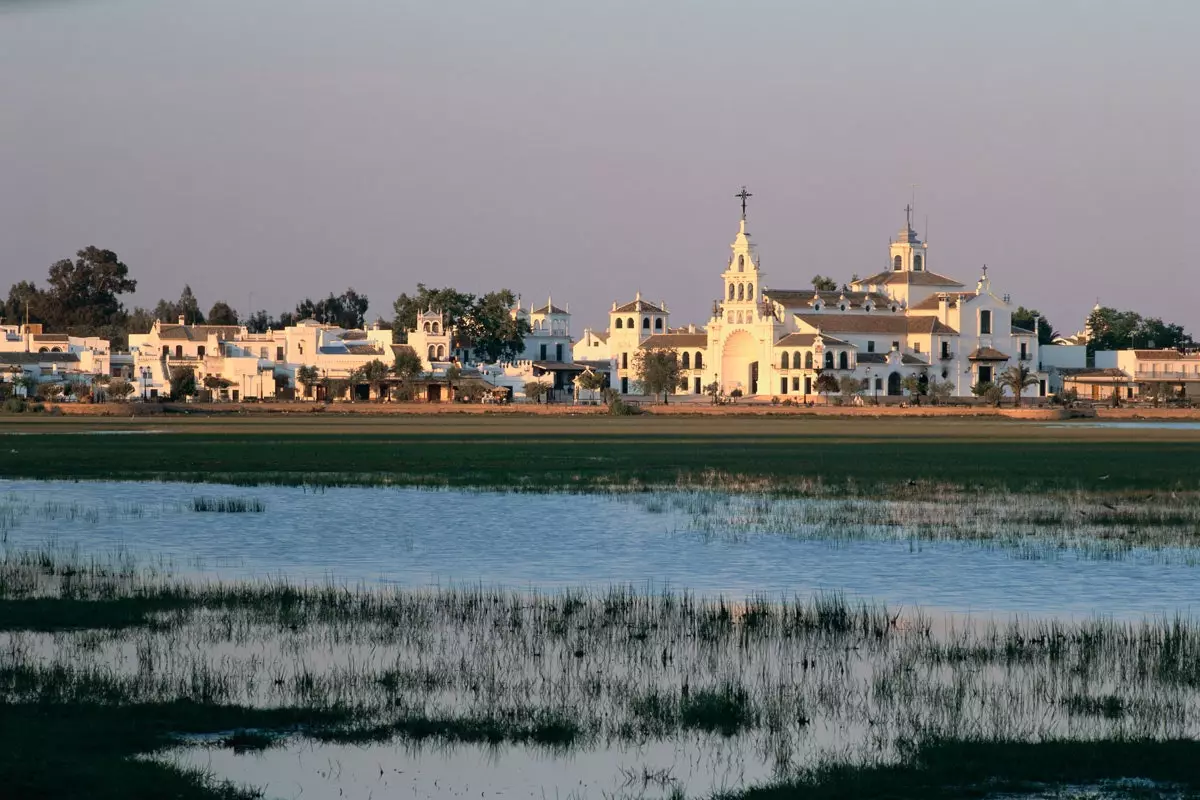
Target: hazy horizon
column 589, row 151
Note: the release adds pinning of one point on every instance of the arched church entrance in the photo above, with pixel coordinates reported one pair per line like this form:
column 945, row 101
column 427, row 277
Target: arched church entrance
column 894, row 384
column 739, row 363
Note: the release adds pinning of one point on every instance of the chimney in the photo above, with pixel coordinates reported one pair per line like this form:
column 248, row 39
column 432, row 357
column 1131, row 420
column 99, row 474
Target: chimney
column 943, row 307
column 181, row 320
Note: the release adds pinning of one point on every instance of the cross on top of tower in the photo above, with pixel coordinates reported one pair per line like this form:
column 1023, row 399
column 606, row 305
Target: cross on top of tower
column 744, row 195
column 908, row 209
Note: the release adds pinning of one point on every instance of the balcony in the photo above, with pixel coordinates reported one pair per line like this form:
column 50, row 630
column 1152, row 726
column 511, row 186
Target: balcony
column 1165, row 375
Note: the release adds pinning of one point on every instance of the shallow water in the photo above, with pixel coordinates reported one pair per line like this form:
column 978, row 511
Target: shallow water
column 416, row 537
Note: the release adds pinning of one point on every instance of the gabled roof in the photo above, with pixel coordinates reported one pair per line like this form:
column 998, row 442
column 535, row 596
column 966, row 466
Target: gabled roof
column 807, row 340
column 197, row 333
column 922, row 278
column 1164, row 355
column 354, row 335
column 1019, row 331
column 872, row 358
column 912, row 359
column 672, row 340
column 20, row 357
column 548, row 309
column 987, row 354
column 932, row 303
column 875, row 323
column 638, row 305
column 363, row 349
column 803, row 298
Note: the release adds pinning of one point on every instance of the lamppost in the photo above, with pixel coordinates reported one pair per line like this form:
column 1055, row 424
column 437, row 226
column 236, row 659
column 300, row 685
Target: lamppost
column 145, row 379
column 871, row 384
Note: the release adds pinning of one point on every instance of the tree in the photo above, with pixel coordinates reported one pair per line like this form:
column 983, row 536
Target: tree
column 408, row 365
column 28, row 384
column 453, row 373
column 822, row 283
column 589, row 381
column 1023, row 318
column 827, row 384
column 373, row 373
column 1156, row 392
column 940, row 391
column 82, row 297
column 658, row 370
column 119, row 389
column 536, row 390
column 1118, row 330
column 494, row 332
column 849, row 387
column 989, row 392
column 453, row 305
column 215, row 383
column 183, row 382
column 222, row 313
column 347, row 310
column 307, row 377
column 49, row 391
column 713, row 390
column 914, row 385
column 1018, row 377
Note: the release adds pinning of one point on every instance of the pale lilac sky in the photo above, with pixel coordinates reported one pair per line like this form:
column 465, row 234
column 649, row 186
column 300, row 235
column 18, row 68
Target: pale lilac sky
column 591, row 149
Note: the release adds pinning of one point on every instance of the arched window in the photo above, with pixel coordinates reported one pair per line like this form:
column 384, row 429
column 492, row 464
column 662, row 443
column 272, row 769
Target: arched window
column 843, row 360
column 619, row 323
column 897, row 264
column 166, row 350
column 646, row 323
column 699, row 360
column 686, row 361
column 179, row 351
column 658, row 323
column 741, row 292
column 629, row 323
column 808, row 360
column 435, row 327
column 739, row 318
column 200, row 351
column 732, row 289
column 783, row 361
column 426, row 328
column 749, row 291
column 441, row 351
column 432, row 353
column 730, row 317
column 828, row 359
column 46, row 350
column 796, row 360
column 741, row 263
column 918, row 263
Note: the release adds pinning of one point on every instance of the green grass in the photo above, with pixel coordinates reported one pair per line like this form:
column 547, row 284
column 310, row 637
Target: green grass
column 598, row 452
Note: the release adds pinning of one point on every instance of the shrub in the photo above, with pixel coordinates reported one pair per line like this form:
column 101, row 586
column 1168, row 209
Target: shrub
column 14, row 405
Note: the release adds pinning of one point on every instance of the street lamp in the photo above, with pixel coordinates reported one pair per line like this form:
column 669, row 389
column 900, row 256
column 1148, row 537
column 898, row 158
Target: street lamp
column 871, row 384
column 145, row 379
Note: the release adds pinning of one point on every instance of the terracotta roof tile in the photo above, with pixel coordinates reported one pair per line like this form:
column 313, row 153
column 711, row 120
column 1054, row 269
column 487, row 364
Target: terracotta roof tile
column 638, row 305
column 672, row 340
column 875, row 323
column 987, row 354
column 922, row 278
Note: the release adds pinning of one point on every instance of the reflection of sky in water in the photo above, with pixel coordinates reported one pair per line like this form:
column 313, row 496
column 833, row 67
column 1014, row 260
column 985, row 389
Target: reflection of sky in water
column 424, row 538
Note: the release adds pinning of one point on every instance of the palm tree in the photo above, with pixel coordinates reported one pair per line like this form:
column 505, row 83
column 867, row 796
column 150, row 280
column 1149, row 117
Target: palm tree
column 1018, row 377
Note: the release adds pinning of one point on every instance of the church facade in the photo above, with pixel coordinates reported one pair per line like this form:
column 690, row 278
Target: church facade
column 905, row 321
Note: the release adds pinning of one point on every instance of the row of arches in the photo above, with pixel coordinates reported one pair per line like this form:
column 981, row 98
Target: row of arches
column 741, row 291
column 431, row 327
column 437, row 353
column 50, row 350
column 628, row 323
column 918, row 263
column 794, row 360
column 687, row 362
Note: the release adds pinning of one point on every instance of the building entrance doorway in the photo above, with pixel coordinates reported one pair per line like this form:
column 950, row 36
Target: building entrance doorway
column 894, row 388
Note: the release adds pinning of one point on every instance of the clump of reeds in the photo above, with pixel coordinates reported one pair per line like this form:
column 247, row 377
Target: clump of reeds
column 228, row 505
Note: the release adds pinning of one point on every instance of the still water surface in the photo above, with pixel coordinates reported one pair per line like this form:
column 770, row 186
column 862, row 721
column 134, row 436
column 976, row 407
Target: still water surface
column 423, row 538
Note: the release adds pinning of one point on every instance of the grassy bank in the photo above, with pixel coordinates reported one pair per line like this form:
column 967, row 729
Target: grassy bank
column 916, row 710
column 597, row 452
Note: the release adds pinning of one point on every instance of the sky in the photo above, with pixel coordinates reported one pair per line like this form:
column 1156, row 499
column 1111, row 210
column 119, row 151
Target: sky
column 263, row 151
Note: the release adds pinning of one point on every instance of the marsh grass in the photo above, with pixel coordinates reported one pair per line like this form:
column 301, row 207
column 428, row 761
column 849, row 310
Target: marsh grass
column 228, row 505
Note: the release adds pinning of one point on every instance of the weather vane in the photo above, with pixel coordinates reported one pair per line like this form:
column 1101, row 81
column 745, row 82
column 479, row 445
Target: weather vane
column 744, row 195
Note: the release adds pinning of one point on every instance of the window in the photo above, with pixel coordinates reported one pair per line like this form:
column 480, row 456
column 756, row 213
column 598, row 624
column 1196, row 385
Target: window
column 985, row 321
column 658, row 323
column 739, row 318
column 796, row 360
column 166, row 351
column 828, row 359
column 749, row 291
column 262, row 353
column 945, row 349
column 686, row 361
column 783, row 361
column 620, row 324
column 843, row 360
column 427, row 330
column 432, row 353
column 200, row 351
column 895, row 345
column 879, row 384
column 441, row 351
column 179, row 351
column 985, row 374
column 796, row 384
column 624, row 360
column 1024, row 351
column 783, row 385
column 918, row 263
column 645, row 323
column 897, row 264
column 543, row 356
column 732, row 291
column 558, row 353
column 699, row 361
column 741, row 292
column 278, row 354
column 730, row 318
column 916, row 347
column 629, row 323
column 808, row 360
column 741, row 263
column 870, row 345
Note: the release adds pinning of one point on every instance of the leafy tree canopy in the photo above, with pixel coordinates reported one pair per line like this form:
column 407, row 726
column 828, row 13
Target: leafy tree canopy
column 81, row 296
column 347, row 310
column 1023, row 318
column 823, row 283
column 1119, row 330
column 222, row 313
column 454, row 306
column 658, row 370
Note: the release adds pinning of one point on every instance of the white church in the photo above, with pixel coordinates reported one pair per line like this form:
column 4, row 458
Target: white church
column 908, row 320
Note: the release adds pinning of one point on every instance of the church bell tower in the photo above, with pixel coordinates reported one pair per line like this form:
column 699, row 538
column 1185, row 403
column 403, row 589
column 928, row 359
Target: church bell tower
column 742, row 278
